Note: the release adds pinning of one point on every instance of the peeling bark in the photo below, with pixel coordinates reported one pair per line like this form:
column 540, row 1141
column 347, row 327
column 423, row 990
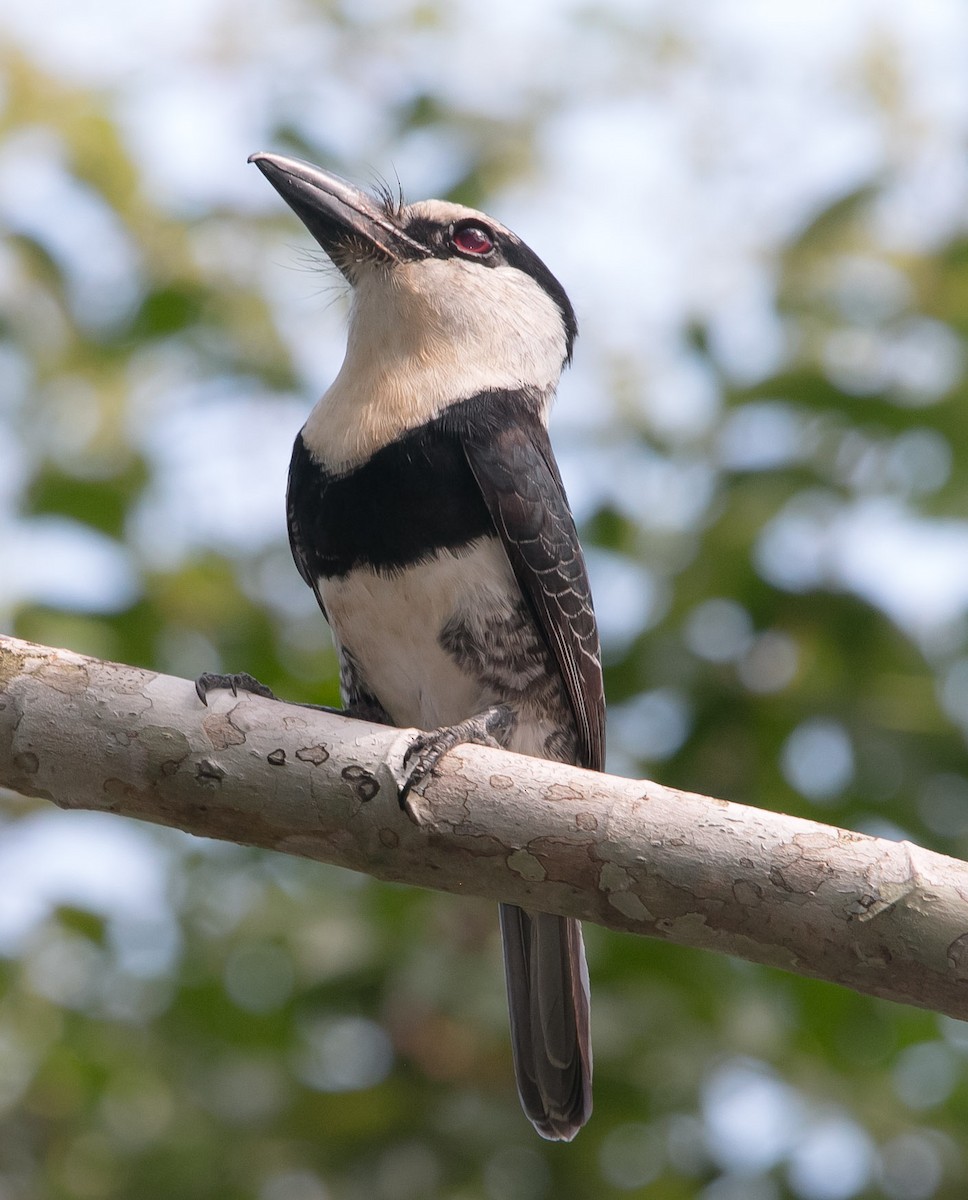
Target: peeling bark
column 886, row 918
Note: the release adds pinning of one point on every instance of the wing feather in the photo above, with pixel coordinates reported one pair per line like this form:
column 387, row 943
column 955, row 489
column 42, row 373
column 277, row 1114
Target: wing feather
column 516, row 471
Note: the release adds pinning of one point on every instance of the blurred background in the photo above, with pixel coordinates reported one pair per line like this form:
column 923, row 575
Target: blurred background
column 759, row 211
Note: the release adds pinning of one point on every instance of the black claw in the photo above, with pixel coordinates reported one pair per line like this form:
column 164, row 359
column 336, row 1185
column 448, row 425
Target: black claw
column 428, row 749
column 418, row 744
column 404, row 794
column 240, row 682
column 490, row 728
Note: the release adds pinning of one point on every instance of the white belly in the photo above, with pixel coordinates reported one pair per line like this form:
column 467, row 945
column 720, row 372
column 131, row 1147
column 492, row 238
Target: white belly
column 391, row 624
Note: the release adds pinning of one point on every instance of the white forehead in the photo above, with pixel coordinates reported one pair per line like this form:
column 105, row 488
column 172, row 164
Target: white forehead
column 442, row 212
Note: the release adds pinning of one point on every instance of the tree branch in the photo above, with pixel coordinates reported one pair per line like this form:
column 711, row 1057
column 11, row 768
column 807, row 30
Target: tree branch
column 886, row 918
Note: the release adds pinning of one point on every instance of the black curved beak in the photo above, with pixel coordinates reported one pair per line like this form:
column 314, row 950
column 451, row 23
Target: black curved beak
column 345, row 221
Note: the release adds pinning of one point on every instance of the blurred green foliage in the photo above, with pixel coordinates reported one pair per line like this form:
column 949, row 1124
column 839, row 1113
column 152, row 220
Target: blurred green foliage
column 303, row 1034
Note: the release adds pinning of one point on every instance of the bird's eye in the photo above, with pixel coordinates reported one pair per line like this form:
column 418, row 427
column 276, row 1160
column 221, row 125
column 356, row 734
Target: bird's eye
column 472, row 239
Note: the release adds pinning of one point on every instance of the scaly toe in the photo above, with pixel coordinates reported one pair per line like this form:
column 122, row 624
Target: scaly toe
column 240, row 682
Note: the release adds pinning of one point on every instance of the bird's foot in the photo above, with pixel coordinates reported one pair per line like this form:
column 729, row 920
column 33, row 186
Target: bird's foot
column 366, row 710
column 242, row 682
column 489, row 728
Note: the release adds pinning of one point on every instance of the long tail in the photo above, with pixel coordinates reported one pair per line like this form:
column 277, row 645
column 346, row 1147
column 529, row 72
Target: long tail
column 548, row 1000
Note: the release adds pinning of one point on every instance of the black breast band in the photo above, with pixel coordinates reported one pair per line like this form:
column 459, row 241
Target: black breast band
column 413, row 498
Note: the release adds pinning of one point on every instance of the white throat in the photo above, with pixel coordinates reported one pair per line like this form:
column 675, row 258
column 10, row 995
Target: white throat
column 424, row 335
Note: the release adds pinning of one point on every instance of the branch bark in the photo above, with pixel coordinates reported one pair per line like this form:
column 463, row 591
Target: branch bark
column 886, row 918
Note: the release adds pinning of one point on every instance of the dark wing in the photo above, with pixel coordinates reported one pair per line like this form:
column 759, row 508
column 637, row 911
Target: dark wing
column 518, row 477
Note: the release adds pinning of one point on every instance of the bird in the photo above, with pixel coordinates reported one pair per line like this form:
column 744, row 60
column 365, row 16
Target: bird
column 427, row 513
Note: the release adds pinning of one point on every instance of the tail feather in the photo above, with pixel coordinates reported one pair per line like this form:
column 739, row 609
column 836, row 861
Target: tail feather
column 548, row 1001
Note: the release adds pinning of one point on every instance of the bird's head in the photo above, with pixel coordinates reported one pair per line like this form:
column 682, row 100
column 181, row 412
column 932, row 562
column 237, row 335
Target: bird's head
column 434, row 283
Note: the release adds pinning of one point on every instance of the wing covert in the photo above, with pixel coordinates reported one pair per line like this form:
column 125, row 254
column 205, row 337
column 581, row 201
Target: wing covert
column 519, row 480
